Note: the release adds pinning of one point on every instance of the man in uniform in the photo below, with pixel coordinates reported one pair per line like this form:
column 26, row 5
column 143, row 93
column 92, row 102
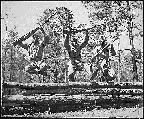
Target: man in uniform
column 102, row 63
column 74, row 51
column 38, row 66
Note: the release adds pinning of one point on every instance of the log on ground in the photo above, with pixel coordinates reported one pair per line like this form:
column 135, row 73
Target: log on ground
column 59, row 99
column 76, row 91
column 66, row 103
column 86, row 85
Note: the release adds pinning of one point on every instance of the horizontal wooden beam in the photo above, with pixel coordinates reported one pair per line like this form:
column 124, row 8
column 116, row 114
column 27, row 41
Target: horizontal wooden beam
column 40, row 100
column 19, row 104
column 76, row 91
column 85, row 85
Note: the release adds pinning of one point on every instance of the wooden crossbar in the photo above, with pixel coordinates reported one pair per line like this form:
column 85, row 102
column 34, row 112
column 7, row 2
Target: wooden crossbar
column 86, row 85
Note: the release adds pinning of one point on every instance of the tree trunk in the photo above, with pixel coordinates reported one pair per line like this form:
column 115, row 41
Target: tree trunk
column 11, row 71
column 130, row 27
column 21, row 68
column 3, row 69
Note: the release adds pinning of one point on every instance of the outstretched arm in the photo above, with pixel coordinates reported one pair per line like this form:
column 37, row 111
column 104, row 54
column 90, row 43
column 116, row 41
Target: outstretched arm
column 25, row 46
column 29, row 34
column 25, row 36
column 43, row 31
column 86, row 40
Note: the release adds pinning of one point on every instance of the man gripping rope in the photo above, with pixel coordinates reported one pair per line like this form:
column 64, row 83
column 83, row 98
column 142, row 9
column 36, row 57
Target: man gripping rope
column 37, row 57
column 74, row 51
column 102, row 63
column 38, row 66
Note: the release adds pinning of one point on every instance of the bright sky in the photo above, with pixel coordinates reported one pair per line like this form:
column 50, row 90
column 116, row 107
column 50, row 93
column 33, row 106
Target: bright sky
column 24, row 15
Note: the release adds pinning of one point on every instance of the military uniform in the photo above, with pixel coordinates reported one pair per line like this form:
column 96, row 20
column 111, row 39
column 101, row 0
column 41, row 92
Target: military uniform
column 74, row 51
column 102, row 63
column 35, row 51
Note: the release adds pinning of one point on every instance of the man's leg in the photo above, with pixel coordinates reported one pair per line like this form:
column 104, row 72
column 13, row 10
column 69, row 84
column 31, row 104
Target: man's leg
column 94, row 74
column 87, row 68
column 31, row 69
column 135, row 76
column 107, row 76
column 71, row 71
column 112, row 73
column 71, row 77
column 56, row 76
column 43, row 66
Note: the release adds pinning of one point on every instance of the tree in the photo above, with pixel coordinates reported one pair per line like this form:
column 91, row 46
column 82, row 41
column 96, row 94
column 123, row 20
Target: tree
column 115, row 15
column 101, row 13
column 13, row 61
column 61, row 19
column 127, row 13
column 131, row 16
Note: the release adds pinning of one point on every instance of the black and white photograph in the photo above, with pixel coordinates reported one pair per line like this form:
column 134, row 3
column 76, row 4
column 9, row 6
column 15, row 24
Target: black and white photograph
column 72, row 59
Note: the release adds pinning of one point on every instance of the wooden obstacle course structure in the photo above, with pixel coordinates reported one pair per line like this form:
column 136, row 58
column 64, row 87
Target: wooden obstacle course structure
column 75, row 88
column 85, row 85
column 65, row 97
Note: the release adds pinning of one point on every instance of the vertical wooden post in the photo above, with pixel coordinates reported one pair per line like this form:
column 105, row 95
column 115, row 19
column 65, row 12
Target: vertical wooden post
column 66, row 68
column 119, row 61
column 11, row 67
column 3, row 69
column 39, row 76
column 2, row 84
column 130, row 27
column 66, row 74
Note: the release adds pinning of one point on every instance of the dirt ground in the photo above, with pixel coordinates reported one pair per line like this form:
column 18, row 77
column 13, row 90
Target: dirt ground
column 90, row 107
column 135, row 112
column 118, row 113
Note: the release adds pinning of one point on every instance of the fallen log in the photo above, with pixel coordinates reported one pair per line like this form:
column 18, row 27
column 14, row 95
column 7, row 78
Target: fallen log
column 85, row 85
column 59, row 103
column 39, row 100
column 76, row 91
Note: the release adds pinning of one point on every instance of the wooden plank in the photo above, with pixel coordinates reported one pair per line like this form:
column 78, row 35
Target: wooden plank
column 60, row 103
column 76, row 91
column 55, row 99
column 86, row 85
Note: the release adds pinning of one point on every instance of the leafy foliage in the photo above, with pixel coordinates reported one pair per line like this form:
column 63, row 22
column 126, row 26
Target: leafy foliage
column 55, row 52
column 111, row 19
column 117, row 17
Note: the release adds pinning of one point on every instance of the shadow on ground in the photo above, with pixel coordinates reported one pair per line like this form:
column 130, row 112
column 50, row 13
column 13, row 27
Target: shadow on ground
column 72, row 106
